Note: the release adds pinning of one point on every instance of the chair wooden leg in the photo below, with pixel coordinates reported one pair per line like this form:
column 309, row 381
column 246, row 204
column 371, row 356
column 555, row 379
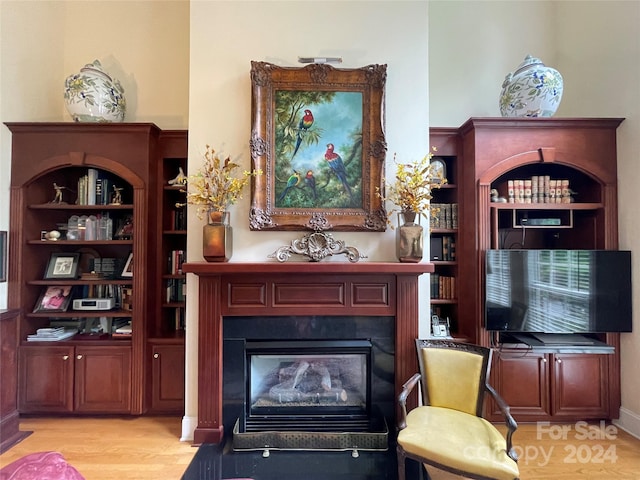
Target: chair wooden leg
column 402, row 460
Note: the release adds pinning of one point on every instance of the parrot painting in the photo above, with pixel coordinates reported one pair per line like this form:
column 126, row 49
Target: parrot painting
column 305, row 124
column 310, row 181
column 292, row 181
column 337, row 166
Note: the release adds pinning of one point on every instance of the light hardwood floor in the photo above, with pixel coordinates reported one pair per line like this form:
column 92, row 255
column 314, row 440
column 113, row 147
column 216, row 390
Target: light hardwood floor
column 148, row 448
column 136, row 448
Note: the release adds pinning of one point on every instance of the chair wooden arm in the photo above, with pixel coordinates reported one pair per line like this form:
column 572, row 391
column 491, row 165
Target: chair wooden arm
column 512, row 426
column 407, row 388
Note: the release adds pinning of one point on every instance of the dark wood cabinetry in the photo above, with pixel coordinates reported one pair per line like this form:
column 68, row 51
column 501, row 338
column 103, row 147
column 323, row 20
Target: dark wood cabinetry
column 77, row 375
column 444, row 222
column 167, row 373
column 110, row 374
column 10, row 432
column 580, row 386
column 165, row 332
column 66, row 379
column 543, row 386
column 172, row 233
column 490, row 154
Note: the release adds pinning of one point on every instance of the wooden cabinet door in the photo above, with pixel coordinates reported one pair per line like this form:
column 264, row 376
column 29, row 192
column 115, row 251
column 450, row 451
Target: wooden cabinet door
column 523, row 382
column 46, row 379
column 167, row 367
column 103, row 379
column 579, row 386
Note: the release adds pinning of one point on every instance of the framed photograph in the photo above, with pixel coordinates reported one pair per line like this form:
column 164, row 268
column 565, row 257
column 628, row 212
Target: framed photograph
column 317, row 134
column 127, row 271
column 55, row 298
column 3, row 256
column 62, row 266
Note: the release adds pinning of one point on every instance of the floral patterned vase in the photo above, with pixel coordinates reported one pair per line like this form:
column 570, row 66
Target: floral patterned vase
column 93, row 96
column 409, row 238
column 533, row 90
column 217, row 238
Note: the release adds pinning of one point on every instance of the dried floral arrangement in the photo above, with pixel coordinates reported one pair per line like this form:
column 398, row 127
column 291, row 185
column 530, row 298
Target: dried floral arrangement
column 215, row 187
column 411, row 192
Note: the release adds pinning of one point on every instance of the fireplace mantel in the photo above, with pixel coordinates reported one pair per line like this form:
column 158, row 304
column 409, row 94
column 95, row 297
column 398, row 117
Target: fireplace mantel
column 296, row 288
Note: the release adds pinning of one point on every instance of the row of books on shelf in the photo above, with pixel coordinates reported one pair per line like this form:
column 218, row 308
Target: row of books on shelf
column 82, row 329
column 444, row 215
column 95, row 188
column 176, row 259
column 539, row 189
column 179, row 319
column 178, row 218
column 443, row 248
column 443, row 287
column 176, row 290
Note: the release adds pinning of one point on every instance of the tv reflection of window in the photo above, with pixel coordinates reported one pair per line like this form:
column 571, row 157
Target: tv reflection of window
column 560, row 291
column 559, row 284
column 537, row 287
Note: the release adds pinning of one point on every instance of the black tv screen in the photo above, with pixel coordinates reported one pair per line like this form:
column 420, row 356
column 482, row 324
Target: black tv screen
column 558, row 291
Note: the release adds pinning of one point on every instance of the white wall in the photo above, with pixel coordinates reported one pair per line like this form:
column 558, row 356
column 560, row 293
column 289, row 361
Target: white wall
column 472, row 47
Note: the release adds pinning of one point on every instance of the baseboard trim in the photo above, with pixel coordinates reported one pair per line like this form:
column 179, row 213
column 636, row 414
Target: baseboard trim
column 629, row 422
column 189, row 425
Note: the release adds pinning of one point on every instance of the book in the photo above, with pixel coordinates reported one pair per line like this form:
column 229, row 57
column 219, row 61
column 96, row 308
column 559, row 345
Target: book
column 92, row 177
column 125, row 329
column 454, row 215
column 55, row 334
column 527, row 191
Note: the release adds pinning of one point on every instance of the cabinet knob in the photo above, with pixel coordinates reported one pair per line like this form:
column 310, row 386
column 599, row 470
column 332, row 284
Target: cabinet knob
column 65, row 357
column 559, row 360
column 79, row 357
column 156, row 355
column 544, row 360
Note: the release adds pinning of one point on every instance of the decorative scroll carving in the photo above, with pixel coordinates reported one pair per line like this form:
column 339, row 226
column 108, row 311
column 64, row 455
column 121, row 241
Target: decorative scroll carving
column 317, row 246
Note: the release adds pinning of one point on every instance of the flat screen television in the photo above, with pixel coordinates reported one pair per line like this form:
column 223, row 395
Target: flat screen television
column 558, row 291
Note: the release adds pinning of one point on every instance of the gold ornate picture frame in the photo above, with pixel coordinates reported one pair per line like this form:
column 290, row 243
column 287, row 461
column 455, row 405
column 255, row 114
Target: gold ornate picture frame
column 318, row 136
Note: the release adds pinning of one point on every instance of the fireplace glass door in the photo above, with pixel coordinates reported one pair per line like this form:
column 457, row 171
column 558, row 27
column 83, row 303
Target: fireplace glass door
column 307, row 379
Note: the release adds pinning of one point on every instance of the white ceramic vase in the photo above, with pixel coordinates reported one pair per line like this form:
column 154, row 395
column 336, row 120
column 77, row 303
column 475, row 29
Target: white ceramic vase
column 533, row 90
column 93, row 96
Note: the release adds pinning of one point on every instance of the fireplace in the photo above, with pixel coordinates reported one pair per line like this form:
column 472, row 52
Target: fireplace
column 314, row 376
column 347, row 302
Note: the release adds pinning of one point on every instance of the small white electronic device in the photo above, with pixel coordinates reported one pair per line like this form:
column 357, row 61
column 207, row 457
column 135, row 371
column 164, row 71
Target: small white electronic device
column 439, row 326
column 94, row 303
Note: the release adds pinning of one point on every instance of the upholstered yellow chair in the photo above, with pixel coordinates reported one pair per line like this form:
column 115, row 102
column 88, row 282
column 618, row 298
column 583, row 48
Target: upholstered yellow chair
column 447, row 430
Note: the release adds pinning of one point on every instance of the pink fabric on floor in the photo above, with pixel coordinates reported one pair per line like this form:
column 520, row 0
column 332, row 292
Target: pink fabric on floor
column 40, row 466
